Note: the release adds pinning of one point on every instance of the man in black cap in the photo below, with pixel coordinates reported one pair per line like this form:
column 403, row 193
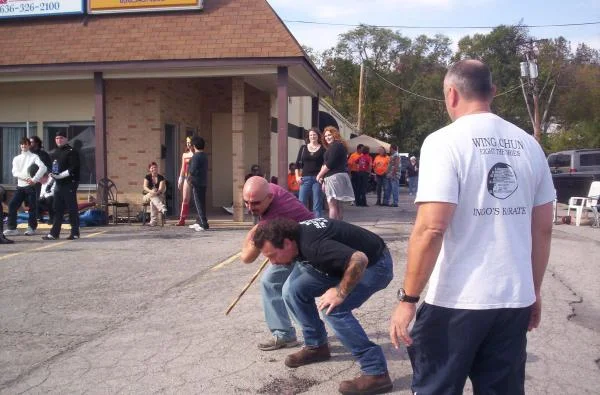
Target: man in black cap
column 65, row 171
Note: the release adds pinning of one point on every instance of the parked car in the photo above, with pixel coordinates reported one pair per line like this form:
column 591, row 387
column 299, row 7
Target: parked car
column 573, row 172
column 575, row 161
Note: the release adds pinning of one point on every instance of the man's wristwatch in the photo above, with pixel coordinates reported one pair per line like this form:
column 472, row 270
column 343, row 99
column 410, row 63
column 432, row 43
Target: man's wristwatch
column 403, row 297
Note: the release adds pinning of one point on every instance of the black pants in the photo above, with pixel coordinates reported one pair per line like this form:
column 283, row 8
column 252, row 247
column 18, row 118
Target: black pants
column 354, row 181
column 199, row 194
column 65, row 198
column 488, row 346
column 23, row 194
column 46, row 204
column 362, row 181
column 38, row 189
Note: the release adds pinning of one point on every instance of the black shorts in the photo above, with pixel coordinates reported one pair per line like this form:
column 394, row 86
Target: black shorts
column 488, row 346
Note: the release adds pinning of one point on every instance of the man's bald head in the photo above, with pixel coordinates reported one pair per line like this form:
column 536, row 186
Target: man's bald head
column 255, row 186
column 257, row 195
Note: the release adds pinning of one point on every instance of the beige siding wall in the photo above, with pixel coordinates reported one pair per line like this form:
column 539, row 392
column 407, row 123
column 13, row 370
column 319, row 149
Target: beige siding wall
column 47, row 101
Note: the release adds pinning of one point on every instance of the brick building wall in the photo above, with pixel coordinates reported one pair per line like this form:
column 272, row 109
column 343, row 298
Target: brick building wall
column 138, row 109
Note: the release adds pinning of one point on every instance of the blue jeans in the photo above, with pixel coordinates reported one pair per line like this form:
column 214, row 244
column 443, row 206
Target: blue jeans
column 276, row 314
column 392, row 187
column 305, row 283
column 310, row 184
column 413, row 182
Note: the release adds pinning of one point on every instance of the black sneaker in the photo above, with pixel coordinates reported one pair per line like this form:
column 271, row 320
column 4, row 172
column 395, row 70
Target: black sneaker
column 73, row 237
column 49, row 237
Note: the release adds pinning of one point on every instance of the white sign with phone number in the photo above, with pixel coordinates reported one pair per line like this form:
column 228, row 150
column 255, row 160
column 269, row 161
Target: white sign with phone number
column 24, row 8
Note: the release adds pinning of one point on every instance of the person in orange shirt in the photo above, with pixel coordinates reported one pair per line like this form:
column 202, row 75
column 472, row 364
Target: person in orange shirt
column 380, row 165
column 353, row 169
column 292, row 182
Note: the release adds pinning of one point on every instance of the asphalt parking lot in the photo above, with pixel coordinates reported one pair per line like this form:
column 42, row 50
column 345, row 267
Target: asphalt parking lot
column 131, row 309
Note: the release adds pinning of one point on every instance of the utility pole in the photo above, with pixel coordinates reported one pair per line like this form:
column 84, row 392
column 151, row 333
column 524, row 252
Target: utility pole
column 529, row 77
column 360, row 97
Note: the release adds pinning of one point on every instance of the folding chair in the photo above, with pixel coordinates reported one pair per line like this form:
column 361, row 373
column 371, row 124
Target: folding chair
column 108, row 197
column 587, row 204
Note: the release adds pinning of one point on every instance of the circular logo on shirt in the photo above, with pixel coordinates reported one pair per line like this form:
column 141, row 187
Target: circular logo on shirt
column 502, row 181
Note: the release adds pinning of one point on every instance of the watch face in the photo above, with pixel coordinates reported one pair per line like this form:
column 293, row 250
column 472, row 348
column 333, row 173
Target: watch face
column 404, row 298
column 401, row 294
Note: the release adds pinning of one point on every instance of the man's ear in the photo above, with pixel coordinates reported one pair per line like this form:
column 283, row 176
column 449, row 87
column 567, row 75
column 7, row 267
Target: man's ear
column 453, row 97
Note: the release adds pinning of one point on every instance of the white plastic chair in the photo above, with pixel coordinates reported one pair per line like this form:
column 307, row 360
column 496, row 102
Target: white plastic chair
column 587, row 204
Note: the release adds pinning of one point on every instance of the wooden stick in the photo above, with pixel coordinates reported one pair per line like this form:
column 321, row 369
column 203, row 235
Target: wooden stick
column 260, row 269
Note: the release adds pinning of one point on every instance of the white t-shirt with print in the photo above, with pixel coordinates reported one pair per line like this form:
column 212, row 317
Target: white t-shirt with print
column 495, row 173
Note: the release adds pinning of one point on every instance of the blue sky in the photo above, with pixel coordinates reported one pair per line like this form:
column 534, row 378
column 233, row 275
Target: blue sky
column 440, row 13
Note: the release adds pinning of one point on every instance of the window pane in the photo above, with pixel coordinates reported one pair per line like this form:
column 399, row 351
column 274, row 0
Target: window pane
column 559, row 160
column 9, row 140
column 589, row 160
column 83, row 139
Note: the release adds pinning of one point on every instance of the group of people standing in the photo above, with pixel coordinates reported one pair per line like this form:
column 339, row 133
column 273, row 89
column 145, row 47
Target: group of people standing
column 323, row 159
column 321, row 170
column 50, row 180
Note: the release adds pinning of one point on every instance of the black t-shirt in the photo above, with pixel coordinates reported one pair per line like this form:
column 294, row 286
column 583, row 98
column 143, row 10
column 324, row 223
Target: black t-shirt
column 335, row 158
column 310, row 162
column 199, row 169
column 328, row 244
column 152, row 185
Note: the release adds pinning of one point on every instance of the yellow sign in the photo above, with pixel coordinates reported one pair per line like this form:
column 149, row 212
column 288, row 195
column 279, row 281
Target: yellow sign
column 97, row 6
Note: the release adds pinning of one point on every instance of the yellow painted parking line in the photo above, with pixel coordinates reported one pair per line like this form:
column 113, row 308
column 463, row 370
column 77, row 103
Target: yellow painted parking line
column 47, row 246
column 227, row 261
column 95, row 234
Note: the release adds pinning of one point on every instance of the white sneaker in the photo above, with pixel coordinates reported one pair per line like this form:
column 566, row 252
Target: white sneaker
column 196, row 227
column 193, row 226
column 29, row 232
column 11, row 232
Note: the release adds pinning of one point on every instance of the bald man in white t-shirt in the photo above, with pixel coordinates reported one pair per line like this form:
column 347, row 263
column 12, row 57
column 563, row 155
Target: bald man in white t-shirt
column 482, row 240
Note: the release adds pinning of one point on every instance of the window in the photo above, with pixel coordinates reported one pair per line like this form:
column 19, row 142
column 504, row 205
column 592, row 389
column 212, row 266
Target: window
column 592, row 159
column 82, row 137
column 559, row 160
column 10, row 135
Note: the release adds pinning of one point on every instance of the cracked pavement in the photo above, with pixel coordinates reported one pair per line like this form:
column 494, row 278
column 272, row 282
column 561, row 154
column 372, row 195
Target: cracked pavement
column 131, row 309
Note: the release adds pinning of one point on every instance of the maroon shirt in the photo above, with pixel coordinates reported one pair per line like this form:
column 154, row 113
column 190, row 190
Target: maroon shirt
column 285, row 205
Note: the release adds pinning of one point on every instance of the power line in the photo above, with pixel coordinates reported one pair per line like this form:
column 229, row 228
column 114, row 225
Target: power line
column 439, row 27
column 432, row 98
column 508, row 91
column 405, row 90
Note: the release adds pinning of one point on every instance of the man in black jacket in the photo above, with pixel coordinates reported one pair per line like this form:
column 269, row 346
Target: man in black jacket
column 198, row 179
column 65, row 171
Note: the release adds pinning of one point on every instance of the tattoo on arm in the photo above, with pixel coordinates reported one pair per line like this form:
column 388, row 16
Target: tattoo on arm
column 352, row 274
